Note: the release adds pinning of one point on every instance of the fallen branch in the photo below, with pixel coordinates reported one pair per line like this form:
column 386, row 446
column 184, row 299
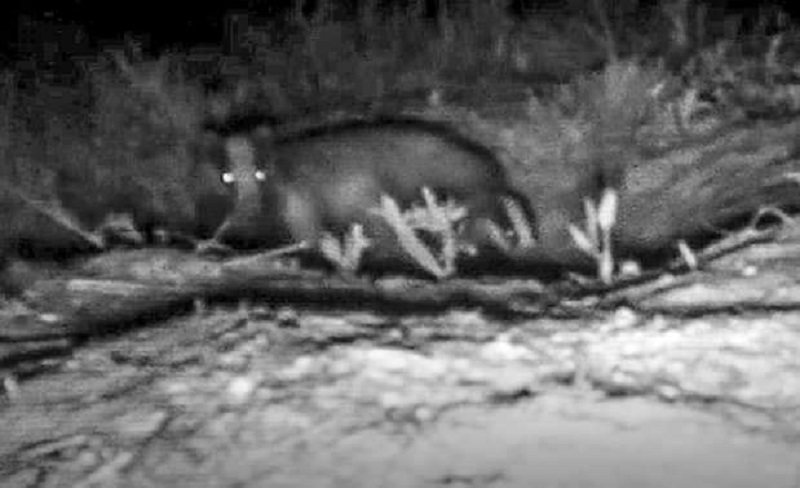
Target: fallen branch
column 129, row 293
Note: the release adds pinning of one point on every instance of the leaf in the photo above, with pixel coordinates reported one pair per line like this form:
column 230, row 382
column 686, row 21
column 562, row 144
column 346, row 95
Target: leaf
column 521, row 227
column 607, row 210
column 408, row 240
column 331, row 249
column 582, row 241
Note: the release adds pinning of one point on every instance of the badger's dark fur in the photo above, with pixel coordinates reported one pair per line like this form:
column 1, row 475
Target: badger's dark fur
column 326, row 178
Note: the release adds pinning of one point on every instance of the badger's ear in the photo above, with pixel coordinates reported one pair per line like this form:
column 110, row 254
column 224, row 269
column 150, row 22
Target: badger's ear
column 241, row 121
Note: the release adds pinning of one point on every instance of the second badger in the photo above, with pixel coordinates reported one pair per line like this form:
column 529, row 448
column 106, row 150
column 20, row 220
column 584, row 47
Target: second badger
column 294, row 187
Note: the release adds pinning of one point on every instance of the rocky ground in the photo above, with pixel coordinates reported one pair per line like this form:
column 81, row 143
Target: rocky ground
column 693, row 384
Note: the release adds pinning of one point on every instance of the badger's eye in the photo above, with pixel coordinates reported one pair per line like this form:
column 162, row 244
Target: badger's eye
column 228, row 178
column 261, row 175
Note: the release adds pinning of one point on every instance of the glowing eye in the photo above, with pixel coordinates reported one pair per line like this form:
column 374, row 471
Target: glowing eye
column 228, row 178
column 261, row 175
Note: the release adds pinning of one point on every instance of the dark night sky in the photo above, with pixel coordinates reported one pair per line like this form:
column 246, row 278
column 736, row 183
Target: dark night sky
column 165, row 18
column 170, row 22
column 166, row 21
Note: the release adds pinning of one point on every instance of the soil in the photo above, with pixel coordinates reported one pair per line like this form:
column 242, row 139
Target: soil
column 681, row 390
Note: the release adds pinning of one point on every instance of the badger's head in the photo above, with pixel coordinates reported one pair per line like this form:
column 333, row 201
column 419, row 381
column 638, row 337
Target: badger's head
column 231, row 176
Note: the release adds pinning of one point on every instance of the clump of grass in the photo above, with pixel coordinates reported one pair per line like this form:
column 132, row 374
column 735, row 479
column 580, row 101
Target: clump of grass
column 438, row 221
column 116, row 144
column 345, row 254
column 153, row 92
column 430, row 234
column 331, row 56
column 519, row 237
column 756, row 84
column 144, row 115
column 426, row 233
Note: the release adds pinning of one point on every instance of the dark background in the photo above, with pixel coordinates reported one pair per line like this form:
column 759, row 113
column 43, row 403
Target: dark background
column 182, row 23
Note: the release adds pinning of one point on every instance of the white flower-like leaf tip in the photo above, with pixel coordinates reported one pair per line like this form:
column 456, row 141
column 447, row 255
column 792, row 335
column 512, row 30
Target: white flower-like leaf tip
column 590, row 211
column 437, row 212
column 429, row 197
column 688, row 256
column 497, row 236
column 581, row 240
column 355, row 243
column 521, row 226
column 607, row 210
column 390, row 208
column 331, row 248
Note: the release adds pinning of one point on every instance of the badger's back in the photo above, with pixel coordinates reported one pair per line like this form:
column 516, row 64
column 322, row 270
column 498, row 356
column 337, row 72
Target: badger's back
column 345, row 169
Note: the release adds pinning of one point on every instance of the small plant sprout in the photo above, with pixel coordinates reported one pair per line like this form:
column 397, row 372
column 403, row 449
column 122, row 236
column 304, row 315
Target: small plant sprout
column 521, row 229
column 591, row 226
column 444, row 218
column 595, row 239
column 345, row 254
column 435, row 218
column 689, row 257
column 519, row 236
column 498, row 237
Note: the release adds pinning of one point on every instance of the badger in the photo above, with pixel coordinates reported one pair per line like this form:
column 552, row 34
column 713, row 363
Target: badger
column 295, row 187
